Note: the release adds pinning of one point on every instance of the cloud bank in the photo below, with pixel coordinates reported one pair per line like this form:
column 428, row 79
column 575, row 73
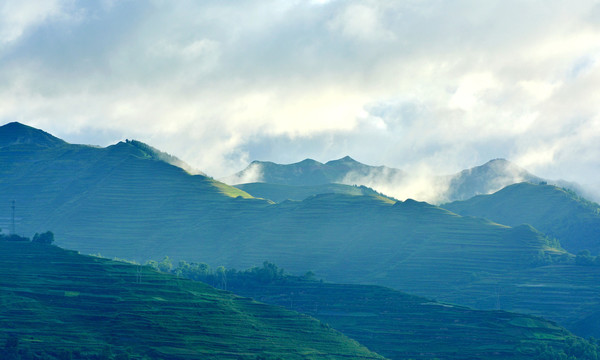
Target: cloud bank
column 411, row 84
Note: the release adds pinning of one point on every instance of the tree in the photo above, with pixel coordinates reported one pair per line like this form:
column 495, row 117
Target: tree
column 44, row 238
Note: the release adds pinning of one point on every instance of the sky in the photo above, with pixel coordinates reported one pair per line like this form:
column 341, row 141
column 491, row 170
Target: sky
column 429, row 86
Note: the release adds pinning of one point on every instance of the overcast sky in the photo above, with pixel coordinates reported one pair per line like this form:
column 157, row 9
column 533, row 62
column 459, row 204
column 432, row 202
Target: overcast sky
column 432, row 84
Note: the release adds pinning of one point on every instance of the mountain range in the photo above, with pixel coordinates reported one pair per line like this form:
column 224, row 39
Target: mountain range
column 129, row 201
column 484, row 179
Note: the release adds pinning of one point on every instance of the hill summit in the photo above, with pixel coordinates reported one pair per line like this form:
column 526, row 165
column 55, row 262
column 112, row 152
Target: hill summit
column 15, row 133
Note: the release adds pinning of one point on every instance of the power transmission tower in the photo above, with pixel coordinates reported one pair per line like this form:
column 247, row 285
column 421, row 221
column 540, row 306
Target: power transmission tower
column 12, row 224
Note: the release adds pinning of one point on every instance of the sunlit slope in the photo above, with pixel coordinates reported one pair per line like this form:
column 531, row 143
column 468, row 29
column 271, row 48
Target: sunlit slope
column 408, row 245
column 279, row 192
column 401, row 326
column 127, row 192
column 55, row 300
column 574, row 221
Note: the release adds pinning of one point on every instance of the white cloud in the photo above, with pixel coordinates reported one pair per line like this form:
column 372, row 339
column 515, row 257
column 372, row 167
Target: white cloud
column 452, row 84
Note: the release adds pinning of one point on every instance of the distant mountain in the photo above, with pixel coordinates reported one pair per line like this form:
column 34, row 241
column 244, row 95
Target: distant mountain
column 62, row 305
column 487, row 178
column 279, row 193
column 559, row 213
column 310, row 172
column 400, row 326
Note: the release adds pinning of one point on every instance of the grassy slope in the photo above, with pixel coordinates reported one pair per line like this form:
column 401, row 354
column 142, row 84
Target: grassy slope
column 401, row 326
column 279, row 192
column 85, row 194
column 54, row 299
column 575, row 222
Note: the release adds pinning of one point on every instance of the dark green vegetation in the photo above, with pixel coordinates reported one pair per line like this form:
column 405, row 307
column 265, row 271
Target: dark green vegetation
column 57, row 303
column 279, row 193
column 567, row 294
column 559, row 213
column 395, row 324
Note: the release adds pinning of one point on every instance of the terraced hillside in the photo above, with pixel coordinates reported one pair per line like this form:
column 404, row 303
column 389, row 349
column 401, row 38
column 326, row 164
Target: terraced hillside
column 559, row 213
column 279, row 192
column 58, row 303
column 401, row 326
column 567, row 294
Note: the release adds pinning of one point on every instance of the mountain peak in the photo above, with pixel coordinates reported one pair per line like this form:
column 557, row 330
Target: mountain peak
column 15, row 133
column 345, row 160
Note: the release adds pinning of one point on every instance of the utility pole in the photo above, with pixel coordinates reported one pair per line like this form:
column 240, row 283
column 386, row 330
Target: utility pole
column 12, row 224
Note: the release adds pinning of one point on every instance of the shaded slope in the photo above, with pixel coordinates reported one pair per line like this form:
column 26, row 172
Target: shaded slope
column 574, row 221
column 55, row 300
column 401, row 326
column 568, row 294
column 279, row 193
column 16, row 133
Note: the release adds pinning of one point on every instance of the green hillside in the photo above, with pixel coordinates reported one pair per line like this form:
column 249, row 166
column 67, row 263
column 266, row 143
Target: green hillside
column 279, row 192
column 567, row 294
column 559, row 213
column 401, row 326
column 58, row 303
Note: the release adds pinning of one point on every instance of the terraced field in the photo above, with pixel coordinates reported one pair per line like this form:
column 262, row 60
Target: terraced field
column 401, row 326
column 567, row 294
column 59, row 303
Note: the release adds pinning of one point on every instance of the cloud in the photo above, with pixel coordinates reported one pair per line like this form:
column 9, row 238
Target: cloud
column 413, row 85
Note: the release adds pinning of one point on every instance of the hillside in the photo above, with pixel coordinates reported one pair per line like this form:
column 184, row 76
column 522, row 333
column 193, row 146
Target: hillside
column 128, row 190
column 559, row 213
column 56, row 302
column 401, row 326
column 567, row 294
column 279, row 193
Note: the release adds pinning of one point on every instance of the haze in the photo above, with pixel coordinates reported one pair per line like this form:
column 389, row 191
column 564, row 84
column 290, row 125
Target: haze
column 425, row 86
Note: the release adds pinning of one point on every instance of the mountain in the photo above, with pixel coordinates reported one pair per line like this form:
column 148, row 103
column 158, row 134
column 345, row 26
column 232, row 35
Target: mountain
column 559, row 213
column 59, row 304
column 401, row 326
column 16, row 133
column 487, row 178
column 310, row 172
column 128, row 190
column 279, row 193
